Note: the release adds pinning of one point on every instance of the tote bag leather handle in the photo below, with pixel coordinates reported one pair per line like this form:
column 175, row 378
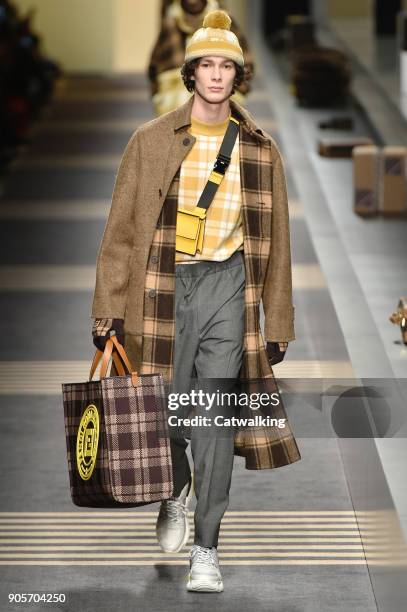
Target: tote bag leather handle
column 122, row 353
column 112, row 347
column 106, row 354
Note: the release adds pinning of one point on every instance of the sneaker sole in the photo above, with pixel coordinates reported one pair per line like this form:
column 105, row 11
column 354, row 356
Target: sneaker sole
column 204, row 587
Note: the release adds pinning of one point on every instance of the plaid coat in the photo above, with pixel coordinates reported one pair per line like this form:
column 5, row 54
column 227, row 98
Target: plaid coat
column 135, row 277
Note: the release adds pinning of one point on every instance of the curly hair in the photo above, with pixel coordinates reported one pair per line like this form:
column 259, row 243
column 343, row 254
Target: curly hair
column 188, row 70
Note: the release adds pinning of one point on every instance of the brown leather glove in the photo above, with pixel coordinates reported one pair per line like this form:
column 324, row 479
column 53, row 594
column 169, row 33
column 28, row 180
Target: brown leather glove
column 102, row 329
column 275, row 352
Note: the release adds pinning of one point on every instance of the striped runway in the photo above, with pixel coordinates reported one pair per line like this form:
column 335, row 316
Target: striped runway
column 46, row 377
column 86, row 125
column 105, row 162
column 56, row 209
column 80, row 209
column 65, row 278
column 128, row 538
column 47, row 278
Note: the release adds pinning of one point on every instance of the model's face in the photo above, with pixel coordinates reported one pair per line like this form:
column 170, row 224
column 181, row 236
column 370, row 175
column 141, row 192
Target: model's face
column 214, row 78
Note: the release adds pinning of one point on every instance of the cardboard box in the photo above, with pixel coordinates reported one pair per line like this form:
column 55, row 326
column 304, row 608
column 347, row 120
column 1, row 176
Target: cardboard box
column 393, row 200
column 341, row 147
column 366, row 179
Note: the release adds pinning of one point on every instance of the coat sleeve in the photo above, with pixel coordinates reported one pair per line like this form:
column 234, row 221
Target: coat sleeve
column 115, row 251
column 277, row 290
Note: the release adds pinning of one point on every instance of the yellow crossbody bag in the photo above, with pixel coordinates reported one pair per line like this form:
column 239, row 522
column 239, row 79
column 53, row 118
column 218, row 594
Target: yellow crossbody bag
column 190, row 228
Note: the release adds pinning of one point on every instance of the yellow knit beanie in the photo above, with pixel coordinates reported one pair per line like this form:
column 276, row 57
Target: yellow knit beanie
column 215, row 38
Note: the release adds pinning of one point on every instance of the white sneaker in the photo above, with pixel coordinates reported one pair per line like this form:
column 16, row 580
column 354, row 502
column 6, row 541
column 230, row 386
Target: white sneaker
column 204, row 573
column 172, row 527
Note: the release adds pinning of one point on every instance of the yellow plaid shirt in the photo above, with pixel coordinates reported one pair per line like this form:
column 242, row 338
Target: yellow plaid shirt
column 223, row 227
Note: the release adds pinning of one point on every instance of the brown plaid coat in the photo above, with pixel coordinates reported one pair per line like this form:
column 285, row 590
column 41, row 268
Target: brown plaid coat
column 135, row 277
column 168, row 53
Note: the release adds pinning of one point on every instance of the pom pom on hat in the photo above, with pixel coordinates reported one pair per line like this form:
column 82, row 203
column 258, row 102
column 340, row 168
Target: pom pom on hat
column 217, row 19
column 215, row 38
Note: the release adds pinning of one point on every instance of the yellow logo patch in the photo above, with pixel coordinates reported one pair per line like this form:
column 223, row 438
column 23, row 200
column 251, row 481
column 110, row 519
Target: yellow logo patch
column 87, row 442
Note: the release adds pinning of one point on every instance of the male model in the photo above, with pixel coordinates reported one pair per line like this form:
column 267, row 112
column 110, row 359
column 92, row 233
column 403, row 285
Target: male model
column 198, row 315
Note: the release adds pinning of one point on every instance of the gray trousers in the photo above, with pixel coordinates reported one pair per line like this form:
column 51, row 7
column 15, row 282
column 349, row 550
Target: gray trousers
column 209, row 328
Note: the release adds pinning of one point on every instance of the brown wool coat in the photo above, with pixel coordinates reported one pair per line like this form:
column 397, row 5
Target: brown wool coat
column 135, row 277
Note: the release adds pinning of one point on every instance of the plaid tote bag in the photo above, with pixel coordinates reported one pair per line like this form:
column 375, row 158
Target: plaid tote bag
column 117, row 436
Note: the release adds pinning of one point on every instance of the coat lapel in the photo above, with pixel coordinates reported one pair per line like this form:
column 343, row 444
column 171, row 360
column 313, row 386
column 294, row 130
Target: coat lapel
column 181, row 144
column 171, row 151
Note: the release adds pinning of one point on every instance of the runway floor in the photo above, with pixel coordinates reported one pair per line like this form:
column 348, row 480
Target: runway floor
column 290, row 540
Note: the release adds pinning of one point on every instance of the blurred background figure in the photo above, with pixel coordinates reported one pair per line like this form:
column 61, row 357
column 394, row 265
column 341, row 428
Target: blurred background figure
column 26, row 77
column 180, row 19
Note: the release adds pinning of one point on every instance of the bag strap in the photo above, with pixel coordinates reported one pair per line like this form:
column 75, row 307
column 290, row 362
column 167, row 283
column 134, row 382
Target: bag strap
column 122, row 353
column 221, row 164
column 105, row 356
column 112, row 347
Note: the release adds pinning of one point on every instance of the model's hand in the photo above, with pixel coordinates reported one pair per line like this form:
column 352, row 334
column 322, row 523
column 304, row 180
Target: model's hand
column 276, row 352
column 101, row 331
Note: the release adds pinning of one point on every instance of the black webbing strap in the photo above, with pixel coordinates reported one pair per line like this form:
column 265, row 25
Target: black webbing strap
column 221, row 165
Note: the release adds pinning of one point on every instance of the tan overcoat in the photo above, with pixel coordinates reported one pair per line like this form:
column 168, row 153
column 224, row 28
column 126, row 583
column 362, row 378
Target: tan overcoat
column 135, row 277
